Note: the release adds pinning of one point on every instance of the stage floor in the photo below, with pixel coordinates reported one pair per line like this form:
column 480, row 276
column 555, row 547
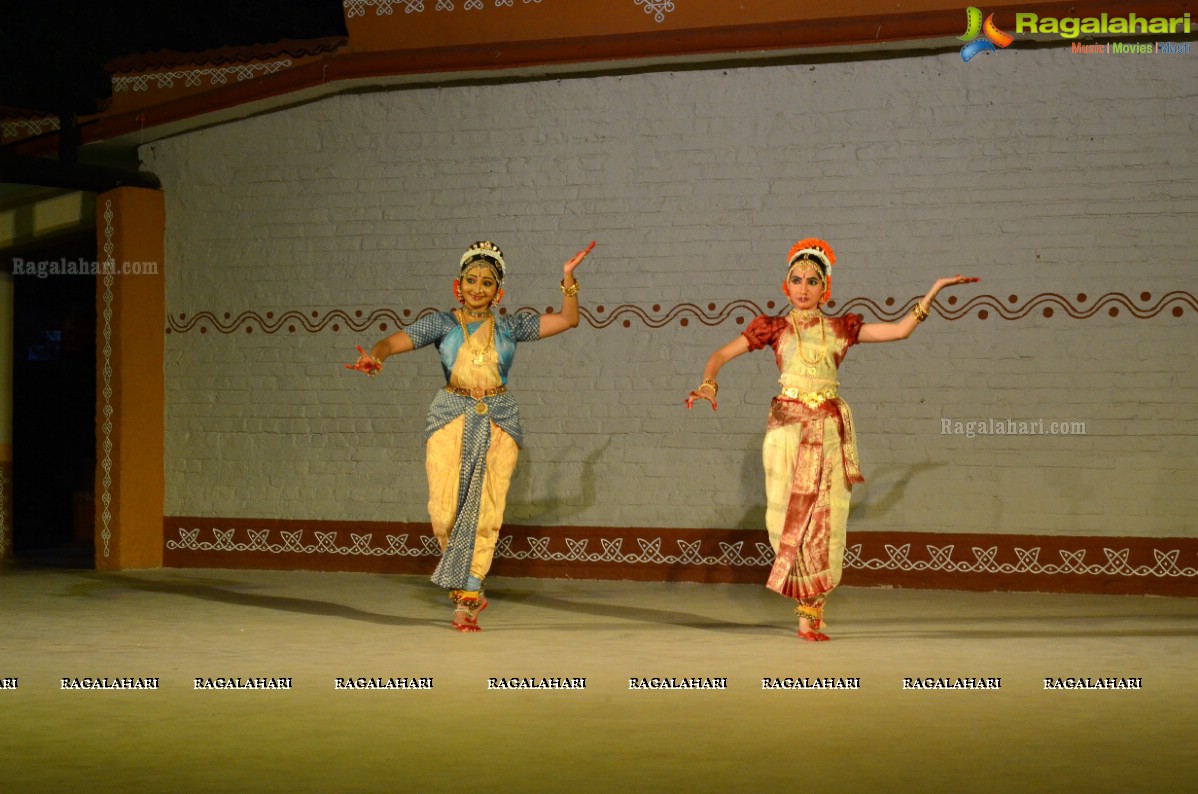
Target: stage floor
column 462, row 736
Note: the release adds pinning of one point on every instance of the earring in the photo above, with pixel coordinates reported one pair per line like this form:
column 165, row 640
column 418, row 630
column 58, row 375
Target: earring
column 457, row 290
column 498, row 298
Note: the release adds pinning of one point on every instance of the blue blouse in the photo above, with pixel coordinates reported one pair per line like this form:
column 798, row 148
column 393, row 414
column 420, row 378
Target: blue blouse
column 443, row 330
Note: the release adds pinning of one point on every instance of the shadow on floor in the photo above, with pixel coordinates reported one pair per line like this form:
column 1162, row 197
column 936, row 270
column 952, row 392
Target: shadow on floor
column 67, row 558
column 225, row 592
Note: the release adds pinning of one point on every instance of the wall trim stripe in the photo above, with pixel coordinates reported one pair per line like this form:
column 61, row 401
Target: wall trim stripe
column 108, row 408
column 1081, row 307
column 924, row 560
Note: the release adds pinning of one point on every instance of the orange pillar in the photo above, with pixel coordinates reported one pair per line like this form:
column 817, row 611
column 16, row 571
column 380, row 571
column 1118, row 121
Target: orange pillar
column 130, row 389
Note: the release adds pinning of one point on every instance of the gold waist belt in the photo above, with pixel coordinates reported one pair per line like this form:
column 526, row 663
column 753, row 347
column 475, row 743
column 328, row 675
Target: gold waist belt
column 812, row 399
column 477, row 394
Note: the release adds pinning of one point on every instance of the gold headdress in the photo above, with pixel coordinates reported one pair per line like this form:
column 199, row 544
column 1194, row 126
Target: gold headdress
column 487, row 253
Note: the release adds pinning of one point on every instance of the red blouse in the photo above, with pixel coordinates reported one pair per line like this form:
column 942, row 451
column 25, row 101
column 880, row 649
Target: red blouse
column 766, row 330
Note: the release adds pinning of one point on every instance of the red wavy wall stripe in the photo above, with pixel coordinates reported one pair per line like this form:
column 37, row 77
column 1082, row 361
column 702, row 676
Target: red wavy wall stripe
column 1081, row 307
column 981, row 307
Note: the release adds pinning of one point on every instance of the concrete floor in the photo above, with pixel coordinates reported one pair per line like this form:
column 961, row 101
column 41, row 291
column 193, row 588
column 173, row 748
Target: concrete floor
column 178, row 625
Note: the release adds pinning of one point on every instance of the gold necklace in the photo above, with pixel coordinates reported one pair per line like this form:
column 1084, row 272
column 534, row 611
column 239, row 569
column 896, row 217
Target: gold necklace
column 478, row 354
column 823, row 331
column 476, row 315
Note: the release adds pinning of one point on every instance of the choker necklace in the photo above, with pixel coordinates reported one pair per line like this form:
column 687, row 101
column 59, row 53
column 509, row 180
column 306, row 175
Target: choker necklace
column 807, row 314
column 476, row 315
column 478, row 355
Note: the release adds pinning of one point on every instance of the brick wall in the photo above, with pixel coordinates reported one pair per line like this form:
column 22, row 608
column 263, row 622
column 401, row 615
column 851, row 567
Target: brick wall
column 1052, row 175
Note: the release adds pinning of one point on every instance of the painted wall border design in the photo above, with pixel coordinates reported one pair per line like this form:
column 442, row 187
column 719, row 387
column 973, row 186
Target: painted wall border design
column 18, row 128
column 193, row 78
column 985, row 560
column 981, row 307
column 383, row 8
column 1122, row 565
column 658, row 8
column 611, row 550
column 106, row 391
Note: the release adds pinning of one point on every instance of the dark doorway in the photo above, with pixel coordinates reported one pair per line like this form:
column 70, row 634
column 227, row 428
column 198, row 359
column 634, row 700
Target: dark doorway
column 54, row 403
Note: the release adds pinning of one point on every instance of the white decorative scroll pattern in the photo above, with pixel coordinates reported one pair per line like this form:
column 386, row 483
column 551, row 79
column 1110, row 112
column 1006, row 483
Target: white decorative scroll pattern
column 194, row 78
column 22, row 127
column 106, row 427
column 293, row 541
column 1165, row 563
column 658, row 8
column 383, row 8
column 654, row 551
column 649, row 552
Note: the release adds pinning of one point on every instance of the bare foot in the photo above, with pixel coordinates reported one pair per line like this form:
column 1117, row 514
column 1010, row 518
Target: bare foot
column 465, row 618
column 810, row 634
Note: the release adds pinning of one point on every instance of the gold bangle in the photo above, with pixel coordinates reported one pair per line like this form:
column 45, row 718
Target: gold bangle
column 920, row 312
column 715, row 387
column 571, row 290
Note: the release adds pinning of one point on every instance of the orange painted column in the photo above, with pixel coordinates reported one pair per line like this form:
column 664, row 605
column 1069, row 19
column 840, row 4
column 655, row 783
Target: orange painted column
column 130, row 387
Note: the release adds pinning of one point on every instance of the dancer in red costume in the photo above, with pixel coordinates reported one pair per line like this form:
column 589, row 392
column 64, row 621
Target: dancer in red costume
column 810, row 450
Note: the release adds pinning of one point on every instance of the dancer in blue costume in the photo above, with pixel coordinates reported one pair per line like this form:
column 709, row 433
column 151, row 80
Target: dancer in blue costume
column 473, row 434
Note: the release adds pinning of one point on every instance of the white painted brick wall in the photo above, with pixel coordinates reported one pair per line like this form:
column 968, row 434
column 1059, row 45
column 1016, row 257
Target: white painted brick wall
column 1041, row 171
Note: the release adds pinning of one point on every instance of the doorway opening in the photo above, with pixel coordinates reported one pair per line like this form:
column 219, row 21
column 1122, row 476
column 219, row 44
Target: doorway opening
column 54, row 403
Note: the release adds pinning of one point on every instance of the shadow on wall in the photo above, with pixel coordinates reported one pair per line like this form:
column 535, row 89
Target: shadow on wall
column 874, row 500
column 565, row 504
column 883, row 490
column 752, row 487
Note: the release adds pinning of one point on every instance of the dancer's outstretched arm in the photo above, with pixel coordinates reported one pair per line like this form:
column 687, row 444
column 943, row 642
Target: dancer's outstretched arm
column 901, row 329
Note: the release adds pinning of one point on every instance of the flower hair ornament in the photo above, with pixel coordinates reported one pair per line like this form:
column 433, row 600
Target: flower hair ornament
column 808, row 252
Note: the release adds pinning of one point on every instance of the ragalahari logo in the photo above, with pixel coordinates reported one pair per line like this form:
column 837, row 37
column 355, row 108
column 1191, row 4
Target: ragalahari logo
column 991, row 36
